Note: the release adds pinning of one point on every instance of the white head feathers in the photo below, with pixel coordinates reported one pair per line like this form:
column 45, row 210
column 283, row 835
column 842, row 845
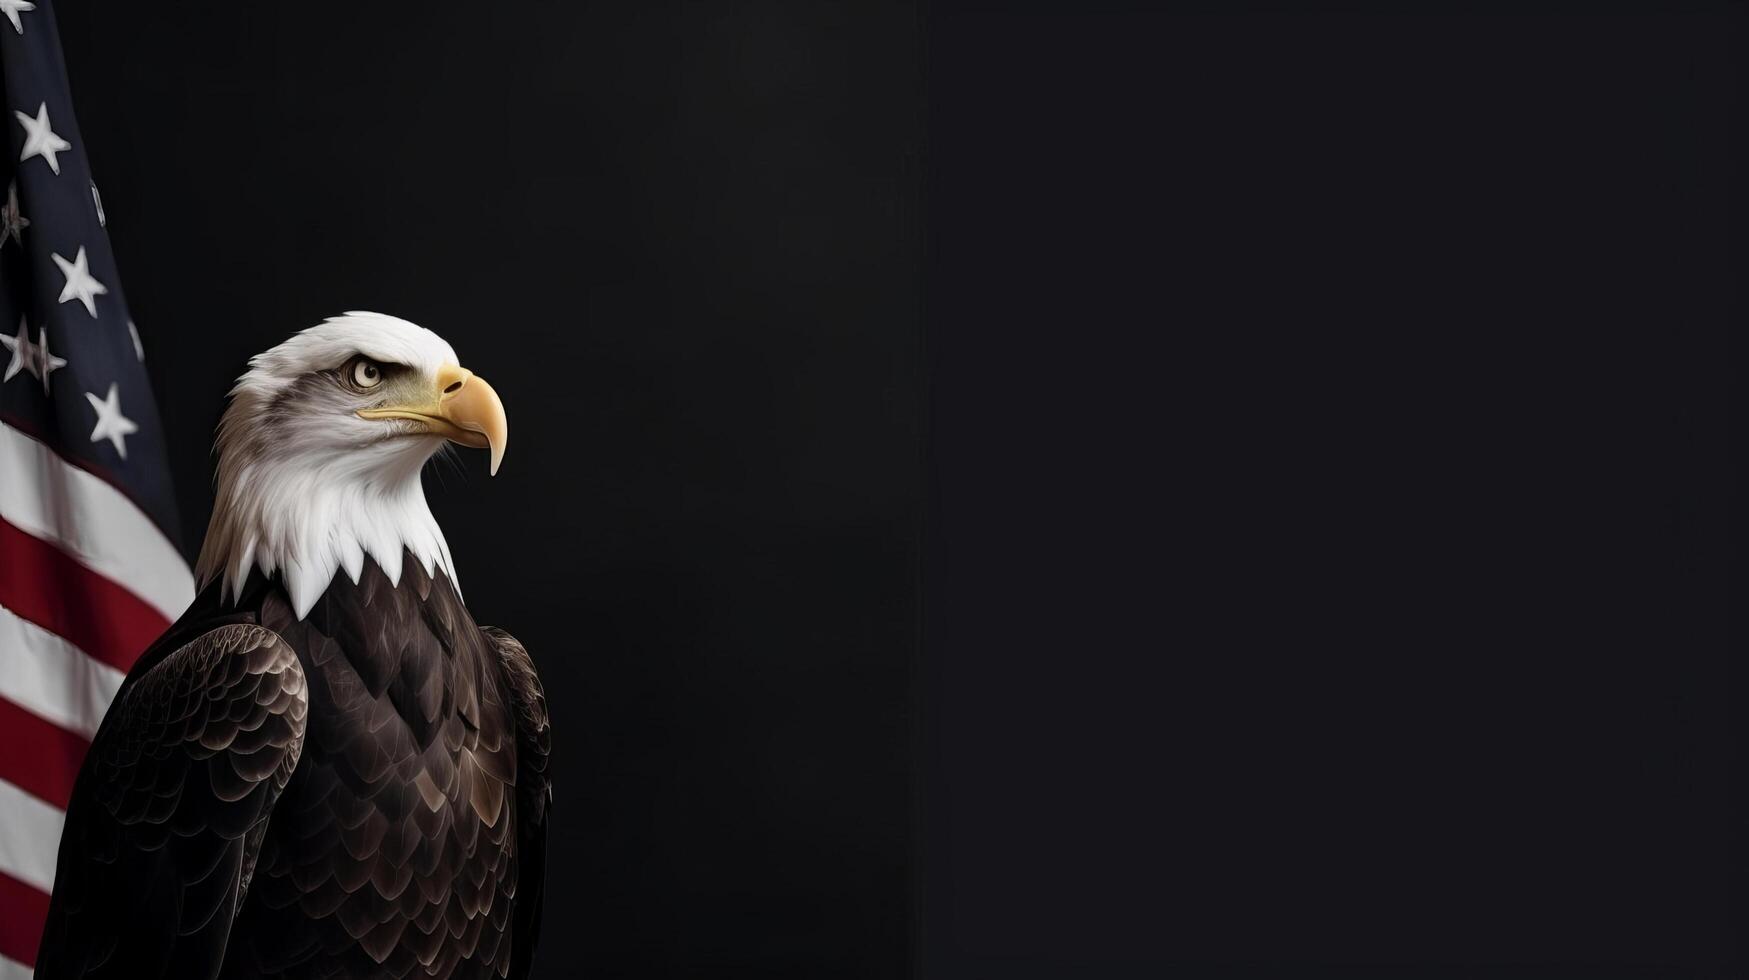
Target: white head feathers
column 305, row 486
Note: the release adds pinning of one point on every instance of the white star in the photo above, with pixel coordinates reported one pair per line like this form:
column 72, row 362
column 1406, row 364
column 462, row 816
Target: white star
column 139, row 351
column 12, row 8
column 96, row 198
column 34, row 358
column 80, row 285
column 46, row 363
column 23, row 354
column 39, row 139
column 111, row 423
column 12, row 224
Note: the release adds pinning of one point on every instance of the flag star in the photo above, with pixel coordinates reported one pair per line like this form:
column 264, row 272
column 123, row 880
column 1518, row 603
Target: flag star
column 23, row 354
column 96, row 198
column 111, row 423
column 39, row 139
column 139, row 351
column 46, row 363
column 12, row 8
column 12, row 224
column 80, row 285
column 34, row 358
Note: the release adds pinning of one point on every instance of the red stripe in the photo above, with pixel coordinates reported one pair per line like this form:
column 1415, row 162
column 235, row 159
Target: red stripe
column 23, row 910
column 49, row 759
column 46, row 586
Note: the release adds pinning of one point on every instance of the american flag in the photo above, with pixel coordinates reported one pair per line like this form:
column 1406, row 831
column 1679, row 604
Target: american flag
column 89, row 568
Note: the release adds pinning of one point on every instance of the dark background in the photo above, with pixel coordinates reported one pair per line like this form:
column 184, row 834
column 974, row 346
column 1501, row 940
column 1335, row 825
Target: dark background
column 1305, row 438
column 1335, row 554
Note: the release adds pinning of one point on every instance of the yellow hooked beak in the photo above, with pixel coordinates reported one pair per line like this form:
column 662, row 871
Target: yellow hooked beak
column 463, row 408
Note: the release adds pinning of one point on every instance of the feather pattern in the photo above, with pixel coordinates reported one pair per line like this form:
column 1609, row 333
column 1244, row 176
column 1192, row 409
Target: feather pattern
column 169, row 811
column 409, row 839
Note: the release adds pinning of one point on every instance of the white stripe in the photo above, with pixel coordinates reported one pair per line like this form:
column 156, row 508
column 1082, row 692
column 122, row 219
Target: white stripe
column 10, row 970
column 48, row 498
column 51, row 678
column 30, row 835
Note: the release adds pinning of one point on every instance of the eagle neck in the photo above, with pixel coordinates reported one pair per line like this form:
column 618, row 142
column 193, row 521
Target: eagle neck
column 303, row 524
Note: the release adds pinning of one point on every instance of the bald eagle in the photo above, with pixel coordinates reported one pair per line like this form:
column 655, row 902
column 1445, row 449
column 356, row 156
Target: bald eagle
column 324, row 768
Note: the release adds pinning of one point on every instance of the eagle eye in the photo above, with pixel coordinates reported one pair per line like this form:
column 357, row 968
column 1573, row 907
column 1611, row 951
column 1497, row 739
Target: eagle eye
column 365, row 374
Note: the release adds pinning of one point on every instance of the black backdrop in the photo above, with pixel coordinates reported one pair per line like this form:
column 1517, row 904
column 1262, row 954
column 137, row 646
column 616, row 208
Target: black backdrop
column 1333, row 555
column 681, row 240
column 1336, row 556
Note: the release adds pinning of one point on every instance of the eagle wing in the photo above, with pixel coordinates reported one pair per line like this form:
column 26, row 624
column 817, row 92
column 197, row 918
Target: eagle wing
column 534, row 740
column 169, row 809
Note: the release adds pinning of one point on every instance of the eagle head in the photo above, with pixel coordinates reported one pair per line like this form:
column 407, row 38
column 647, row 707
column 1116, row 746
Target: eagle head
column 320, row 452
